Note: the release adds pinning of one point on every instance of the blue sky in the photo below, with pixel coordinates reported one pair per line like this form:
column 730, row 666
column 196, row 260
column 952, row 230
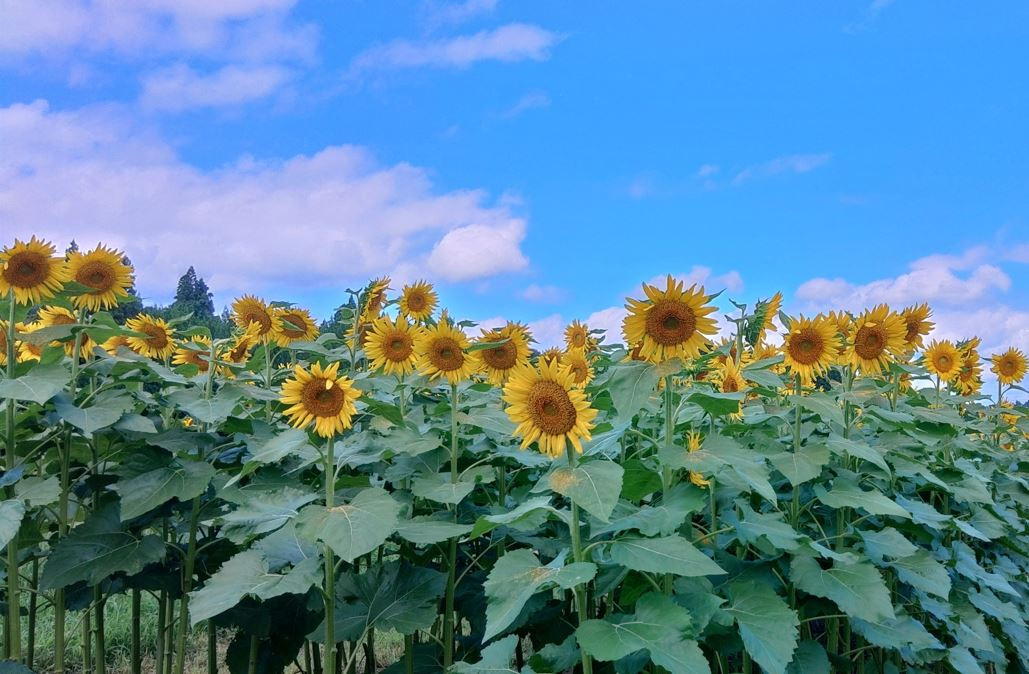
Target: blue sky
column 536, row 159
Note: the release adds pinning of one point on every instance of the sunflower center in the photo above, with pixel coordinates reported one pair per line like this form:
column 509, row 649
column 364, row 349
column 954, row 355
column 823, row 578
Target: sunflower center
column 61, row 319
column 293, row 325
column 156, row 337
column 96, row 275
column 260, row 317
column 806, row 347
column 501, row 357
column 944, row 363
column 730, row 385
column 550, row 408
column 579, row 339
column 26, row 269
column 870, row 342
column 446, row 354
column 913, row 325
column 415, row 300
column 670, row 322
column 1008, row 367
column 580, row 372
column 321, row 401
column 398, row 347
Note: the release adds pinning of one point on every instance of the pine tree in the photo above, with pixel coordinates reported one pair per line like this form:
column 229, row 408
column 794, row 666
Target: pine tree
column 193, row 296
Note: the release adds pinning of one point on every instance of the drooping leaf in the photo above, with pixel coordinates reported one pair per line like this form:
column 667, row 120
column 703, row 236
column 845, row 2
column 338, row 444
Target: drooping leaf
column 38, row 491
column 182, row 480
column 858, row 588
column 847, row 494
column 668, row 554
column 101, row 414
column 822, row 405
column 11, row 512
column 426, row 530
column 353, row 529
column 440, row 488
column 495, row 658
column 803, row 465
column 261, row 511
column 809, row 658
column 768, row 626
column 38, row 385
column 594, row 486
column 631, row 385
column 921, row 571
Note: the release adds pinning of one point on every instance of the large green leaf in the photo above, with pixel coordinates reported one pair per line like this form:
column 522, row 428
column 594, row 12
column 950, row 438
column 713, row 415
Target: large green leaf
column 594, row 486
column 809, row 658
column 11, row 512
column 38, row 491
column 494, row 659
column 847, row 494
column 660, row 626
column 822, row 405
column 182, row 480
column 768, row 626
column 97, row 549
column 668, row 554
column 440, row 488
column 426, row 530
column 38, row 385
column 526, row 511
column 803, row 465
column 631, row 385
column 391, row 596
column 859, row 450
column 921, row 571
column 858, row 588
column 516, row 577
column 716, row 403
column 353, row 529
column 246, row 575
column 662, row 519
column 259, row 511
column 771, row 526
column 897, row 632
column 212, row 410
column 101, row 414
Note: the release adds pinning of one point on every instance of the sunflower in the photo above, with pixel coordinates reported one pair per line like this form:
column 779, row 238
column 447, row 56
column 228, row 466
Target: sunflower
column 575, row 360
column 810, row 347
column 51, row 316
column 763, row 351
column 440, row 352
column 3, row 343
column 551, row 355
column 390, row 345
column 244, row 343
column 28, row 350
column 31, row 271
column 577, row 335
column 418, row 301
column 197, row 351
column 111, row 344
column 842, row 320
column 943, row 359
column 320, row 396
column 670, row 323
column 249, row 309
column 769, row 311
column 728, row 377
column 498, row 362
column 693, row 441
column 375, row 297
column 875, row 339
column 293, row 325
column 969, row 379
column 970, row 346
column 1009, row 366
column 158, row 341
column 104, row 272
column 547, row 408
column 916, row 324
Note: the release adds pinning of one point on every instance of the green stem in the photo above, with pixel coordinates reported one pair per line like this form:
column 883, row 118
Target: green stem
column 12, row 647
column 795, row 509
column 100, row 655
column 187, row 585
column 666, row 471
column 577, row 554
column 33, row 601
column 252, row 661
column 448, row 611
column 162, row 625
column 135, row 655
column 330, row 563
column 212, row 648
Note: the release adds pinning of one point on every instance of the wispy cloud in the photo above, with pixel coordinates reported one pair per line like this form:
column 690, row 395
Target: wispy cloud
column 438, row 14
column 180, row 87
column 871, row 13
column 794, row 163
column 530, row 101
column 508, row 44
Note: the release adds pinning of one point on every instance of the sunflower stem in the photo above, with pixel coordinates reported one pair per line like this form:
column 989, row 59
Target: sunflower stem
column 795, row 509
column 666, row 471
column 580, row 595
column 330, row 563
column 448, row 611
column 12, row 647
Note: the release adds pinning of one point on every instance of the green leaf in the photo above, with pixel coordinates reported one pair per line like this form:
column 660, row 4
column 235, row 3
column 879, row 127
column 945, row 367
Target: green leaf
column 857, row 589
column 962, row 660
column 847, row 494
column 526, row 510
column 630, row 386
column 638, row 480
column 924, row 573
column 594, row 486
column 887, row 542
column 969, row 567
column 662, row 519
column 768, row 525
column 426, row 530
column 391, row 596
column 182, row 480
column 259, row 511
column 438, row 487
column 810, row 658
column 516, row 577
column 281, row 444
column 212, row 411
column 246, row 575
column 894, row 633
column 494, row 658
column 716, row 403
column 801, row 466
column 100, row 547
column 660, row 626
column 822, row 405
column 353, row 529
column 38, row 385
column 38, row 491
column 669, row 554
column 842, row 445
column 103, row 413
column 768, row 626
column 556, row 658
column 11, row 512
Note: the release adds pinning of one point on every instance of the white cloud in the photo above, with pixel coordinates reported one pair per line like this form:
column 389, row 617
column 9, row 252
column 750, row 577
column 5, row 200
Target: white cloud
column 180, row 87
column 233, row 28
column 870, row 15
column 641, row 186
column 457, row 12
column 479, row 250
column 544, row 294
column 311, row 221
column 530, row 101
column 794, row 163
column 944, row 279
column 707, row 170
column 509, row 43
column 1018, row 253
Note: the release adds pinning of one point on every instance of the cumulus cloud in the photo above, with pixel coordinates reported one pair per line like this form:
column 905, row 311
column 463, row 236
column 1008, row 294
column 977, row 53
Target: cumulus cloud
column 180, row 87
column 794, row 163
column 236, row 28
column 509, row 43
column 318, row 221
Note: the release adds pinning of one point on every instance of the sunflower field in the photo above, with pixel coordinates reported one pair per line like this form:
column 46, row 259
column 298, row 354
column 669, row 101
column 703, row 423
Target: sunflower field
column 413, row 494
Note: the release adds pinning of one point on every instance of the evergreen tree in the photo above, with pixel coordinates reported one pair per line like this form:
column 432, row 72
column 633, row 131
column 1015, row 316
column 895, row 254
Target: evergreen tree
column 193, row 296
